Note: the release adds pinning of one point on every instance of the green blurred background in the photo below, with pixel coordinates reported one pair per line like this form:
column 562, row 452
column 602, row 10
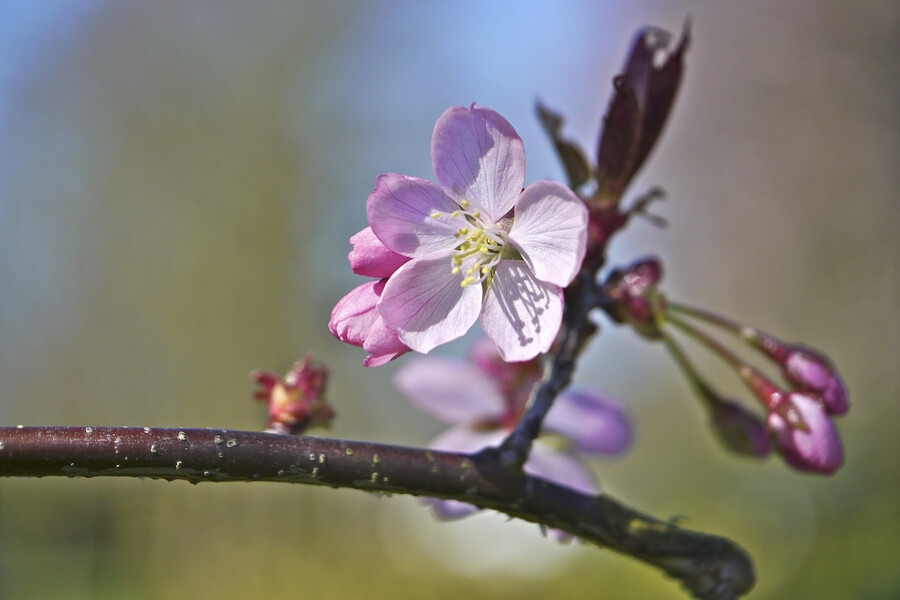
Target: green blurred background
column 178, row 181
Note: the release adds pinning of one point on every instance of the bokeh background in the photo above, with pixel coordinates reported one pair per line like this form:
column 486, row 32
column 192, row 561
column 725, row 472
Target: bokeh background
column 178, row 181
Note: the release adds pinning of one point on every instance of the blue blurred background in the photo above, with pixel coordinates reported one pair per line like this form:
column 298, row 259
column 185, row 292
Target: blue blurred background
column 178, row 181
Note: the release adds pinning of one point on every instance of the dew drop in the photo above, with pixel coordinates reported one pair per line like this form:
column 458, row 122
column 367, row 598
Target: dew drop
column 182, row 436
column 321, row 459
column 89, row 430
column 146, row 430
column 349, row 451
column 153, row 448
column 2, row 445
column 178, row 464
column 231, row 443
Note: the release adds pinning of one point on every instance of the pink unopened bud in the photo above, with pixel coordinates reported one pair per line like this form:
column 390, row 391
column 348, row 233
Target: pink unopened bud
column 296, row 402
column 636, row 297
column 815, row 448
column 806, row 369
column 739, row 430
column 812, row 373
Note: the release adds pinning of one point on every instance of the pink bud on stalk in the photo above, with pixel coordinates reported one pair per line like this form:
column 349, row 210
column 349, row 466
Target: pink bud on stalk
column 738, row 429
column 296, row 402
column 808, row 371
column 800, row 426
column 636, row 297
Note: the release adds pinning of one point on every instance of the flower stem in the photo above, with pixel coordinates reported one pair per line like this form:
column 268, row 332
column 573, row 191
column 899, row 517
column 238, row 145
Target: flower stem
column 581, row 297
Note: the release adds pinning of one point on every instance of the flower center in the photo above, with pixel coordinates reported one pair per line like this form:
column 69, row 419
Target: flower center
column 479, row 249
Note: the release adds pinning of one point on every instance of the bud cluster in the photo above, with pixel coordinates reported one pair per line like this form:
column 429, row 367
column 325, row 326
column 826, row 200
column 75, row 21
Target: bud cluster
column 798, row 414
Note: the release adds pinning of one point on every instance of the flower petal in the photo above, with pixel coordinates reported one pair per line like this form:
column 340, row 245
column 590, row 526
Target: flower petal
column 355, row 321
column 560, row 467
column 479, row 157
column 550, row 231
column 400, row 210
column 354, row 314
column 460, row 439
column 425, row 304
column 448, row 510
column 521, row 314
column 382, row 344
column 596, row 424
column 449, row 390
column 371, row 258
column 467, row 440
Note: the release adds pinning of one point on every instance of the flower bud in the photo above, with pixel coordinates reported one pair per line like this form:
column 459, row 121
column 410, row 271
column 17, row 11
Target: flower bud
column 806, row 369
column 815, row 448
column 739, row 430
column 812, row 373
column 296, row 402
column 636, row 297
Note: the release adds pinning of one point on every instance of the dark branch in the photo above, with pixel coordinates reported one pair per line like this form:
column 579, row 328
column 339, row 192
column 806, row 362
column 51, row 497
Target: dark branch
column 708, row 566
column 581, row 298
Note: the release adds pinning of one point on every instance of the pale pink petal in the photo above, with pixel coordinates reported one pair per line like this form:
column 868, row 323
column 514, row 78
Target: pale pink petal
column 355, row 321
column 449, row 390
column 424, row 303
column 401, row 213
column 460, row 439
column 354, row 314
column 560, row 468
column 371, row 258
column 466, row 440
column 550, row 231
column 448, row 510
column 382, row 344
column 818, row 449
column 596, row 425
column 521, row 314
column 479, row 157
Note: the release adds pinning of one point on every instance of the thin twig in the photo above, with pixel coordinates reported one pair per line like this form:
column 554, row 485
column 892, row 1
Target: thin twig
column 581, row 298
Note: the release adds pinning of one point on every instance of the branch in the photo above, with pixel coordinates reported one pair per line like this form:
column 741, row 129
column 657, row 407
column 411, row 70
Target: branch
column 581, row 298
column 708, row 566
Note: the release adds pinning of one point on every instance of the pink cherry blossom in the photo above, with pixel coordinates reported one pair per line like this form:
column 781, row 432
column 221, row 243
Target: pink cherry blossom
column 482, row 409
column 479, row 244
